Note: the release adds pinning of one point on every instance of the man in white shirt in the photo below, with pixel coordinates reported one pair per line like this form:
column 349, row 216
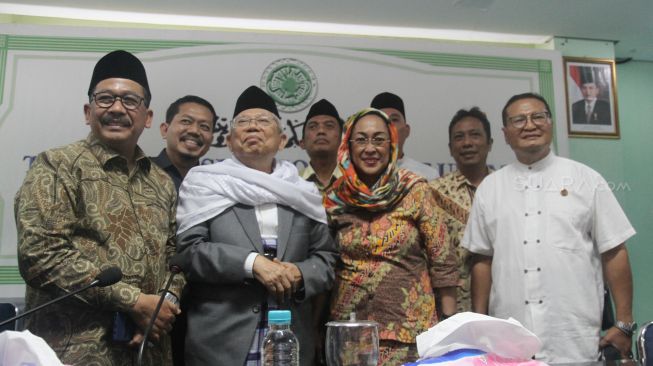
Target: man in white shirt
column 545, row 231
column 393, row 106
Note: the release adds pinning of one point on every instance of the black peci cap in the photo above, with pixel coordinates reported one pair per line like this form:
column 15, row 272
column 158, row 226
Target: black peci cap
column 119, row 64
column 388, row 100
column 255, row 97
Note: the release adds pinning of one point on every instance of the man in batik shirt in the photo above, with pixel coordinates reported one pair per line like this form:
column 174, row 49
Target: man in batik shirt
column 470, row 141
column 94, row 204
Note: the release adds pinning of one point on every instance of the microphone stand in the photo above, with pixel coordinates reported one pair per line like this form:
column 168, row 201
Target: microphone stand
column 174, row 269
column 102, row 280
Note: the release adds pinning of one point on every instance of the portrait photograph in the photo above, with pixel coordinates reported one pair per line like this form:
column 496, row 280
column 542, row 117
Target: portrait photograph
column 591, row 98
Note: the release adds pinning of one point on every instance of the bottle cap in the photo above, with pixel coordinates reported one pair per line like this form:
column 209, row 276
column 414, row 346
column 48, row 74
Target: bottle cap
column 279, row 317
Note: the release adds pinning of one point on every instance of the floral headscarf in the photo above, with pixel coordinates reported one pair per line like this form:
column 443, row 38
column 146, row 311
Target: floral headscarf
column 349, row 193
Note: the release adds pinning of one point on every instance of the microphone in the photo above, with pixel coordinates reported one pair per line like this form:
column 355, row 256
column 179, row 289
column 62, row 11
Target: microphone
column 175, row 268
column 108, row 277
column 105, row 278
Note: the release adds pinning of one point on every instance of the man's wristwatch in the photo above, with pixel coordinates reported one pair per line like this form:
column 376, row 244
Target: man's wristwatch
column 171, row 297
column 627, row 328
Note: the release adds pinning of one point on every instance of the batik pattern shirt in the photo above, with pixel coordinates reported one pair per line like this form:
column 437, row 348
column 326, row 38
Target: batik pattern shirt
column 454, row 193
column 79, row 211
column 392, row 262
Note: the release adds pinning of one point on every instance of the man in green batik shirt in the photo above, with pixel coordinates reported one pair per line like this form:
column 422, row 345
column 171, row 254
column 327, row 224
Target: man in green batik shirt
column 95, row 204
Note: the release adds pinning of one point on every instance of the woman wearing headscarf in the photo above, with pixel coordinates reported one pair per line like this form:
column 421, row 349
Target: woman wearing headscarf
column 395, row 251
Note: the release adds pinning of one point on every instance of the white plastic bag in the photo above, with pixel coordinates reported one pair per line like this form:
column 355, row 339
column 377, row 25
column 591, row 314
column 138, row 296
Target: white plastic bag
column 505, row 338
column 25, row 349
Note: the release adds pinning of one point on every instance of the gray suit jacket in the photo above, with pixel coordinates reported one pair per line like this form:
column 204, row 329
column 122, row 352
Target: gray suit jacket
column 224, row 306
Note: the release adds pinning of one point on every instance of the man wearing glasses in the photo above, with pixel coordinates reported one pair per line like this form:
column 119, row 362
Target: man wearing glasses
column 252, row 237
column 94, row 204
column 545, row 231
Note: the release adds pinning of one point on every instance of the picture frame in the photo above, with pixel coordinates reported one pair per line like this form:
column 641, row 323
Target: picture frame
column 591, row 96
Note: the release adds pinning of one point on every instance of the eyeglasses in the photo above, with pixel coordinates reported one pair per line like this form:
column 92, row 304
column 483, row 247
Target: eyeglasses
column 538, row 118
column 129, row 101
column 244, row 122
column 364, row 141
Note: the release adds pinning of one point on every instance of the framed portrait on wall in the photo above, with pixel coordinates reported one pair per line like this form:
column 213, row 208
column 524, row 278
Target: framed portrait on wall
column 591, row 97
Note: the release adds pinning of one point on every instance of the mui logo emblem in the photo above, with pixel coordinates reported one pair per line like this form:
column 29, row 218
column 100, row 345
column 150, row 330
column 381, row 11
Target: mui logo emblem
column 291, row 83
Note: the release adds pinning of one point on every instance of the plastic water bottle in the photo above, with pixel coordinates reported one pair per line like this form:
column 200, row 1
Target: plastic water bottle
column 280, row 346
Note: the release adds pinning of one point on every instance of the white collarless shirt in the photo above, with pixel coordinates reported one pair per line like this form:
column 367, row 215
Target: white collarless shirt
column 267, row 218
column 545, row 225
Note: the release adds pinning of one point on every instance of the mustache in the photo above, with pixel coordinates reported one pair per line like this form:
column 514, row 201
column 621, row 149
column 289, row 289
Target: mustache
column 109, row 119
column 197, row 140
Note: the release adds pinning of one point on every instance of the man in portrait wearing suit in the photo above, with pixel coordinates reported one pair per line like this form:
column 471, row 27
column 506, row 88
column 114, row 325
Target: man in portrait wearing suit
column 590, row 110
column 252, row 237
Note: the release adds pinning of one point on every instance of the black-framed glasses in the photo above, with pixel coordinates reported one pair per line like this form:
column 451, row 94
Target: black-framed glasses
column 364, row 141
column 244, row 122
column 106, row 100
column 538, row 118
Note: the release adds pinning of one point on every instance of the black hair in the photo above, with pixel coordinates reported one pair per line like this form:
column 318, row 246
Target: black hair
column 514, row 98
column 475, row 112
column 173, row 109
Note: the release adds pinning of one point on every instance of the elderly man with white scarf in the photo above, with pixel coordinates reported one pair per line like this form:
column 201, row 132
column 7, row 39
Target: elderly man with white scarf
column 252, row 236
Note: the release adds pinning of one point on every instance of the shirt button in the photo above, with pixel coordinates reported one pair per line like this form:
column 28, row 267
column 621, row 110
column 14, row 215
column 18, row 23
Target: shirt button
column 539, row 269
column 256, row 309
column 539, row 212
column 525, row 242
column 541, row 301
column 525, row 271
column 537, row 241
column 526, row 302
column 526, row 214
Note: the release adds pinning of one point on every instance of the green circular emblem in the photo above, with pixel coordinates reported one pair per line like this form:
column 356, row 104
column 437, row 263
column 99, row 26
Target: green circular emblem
column 291, row 83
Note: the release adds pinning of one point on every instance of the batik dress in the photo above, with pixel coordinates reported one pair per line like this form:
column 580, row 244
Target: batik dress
column 392, row 262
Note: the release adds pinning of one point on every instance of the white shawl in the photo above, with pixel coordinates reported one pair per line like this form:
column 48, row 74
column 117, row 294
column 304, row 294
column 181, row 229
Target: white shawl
column 208, row 190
